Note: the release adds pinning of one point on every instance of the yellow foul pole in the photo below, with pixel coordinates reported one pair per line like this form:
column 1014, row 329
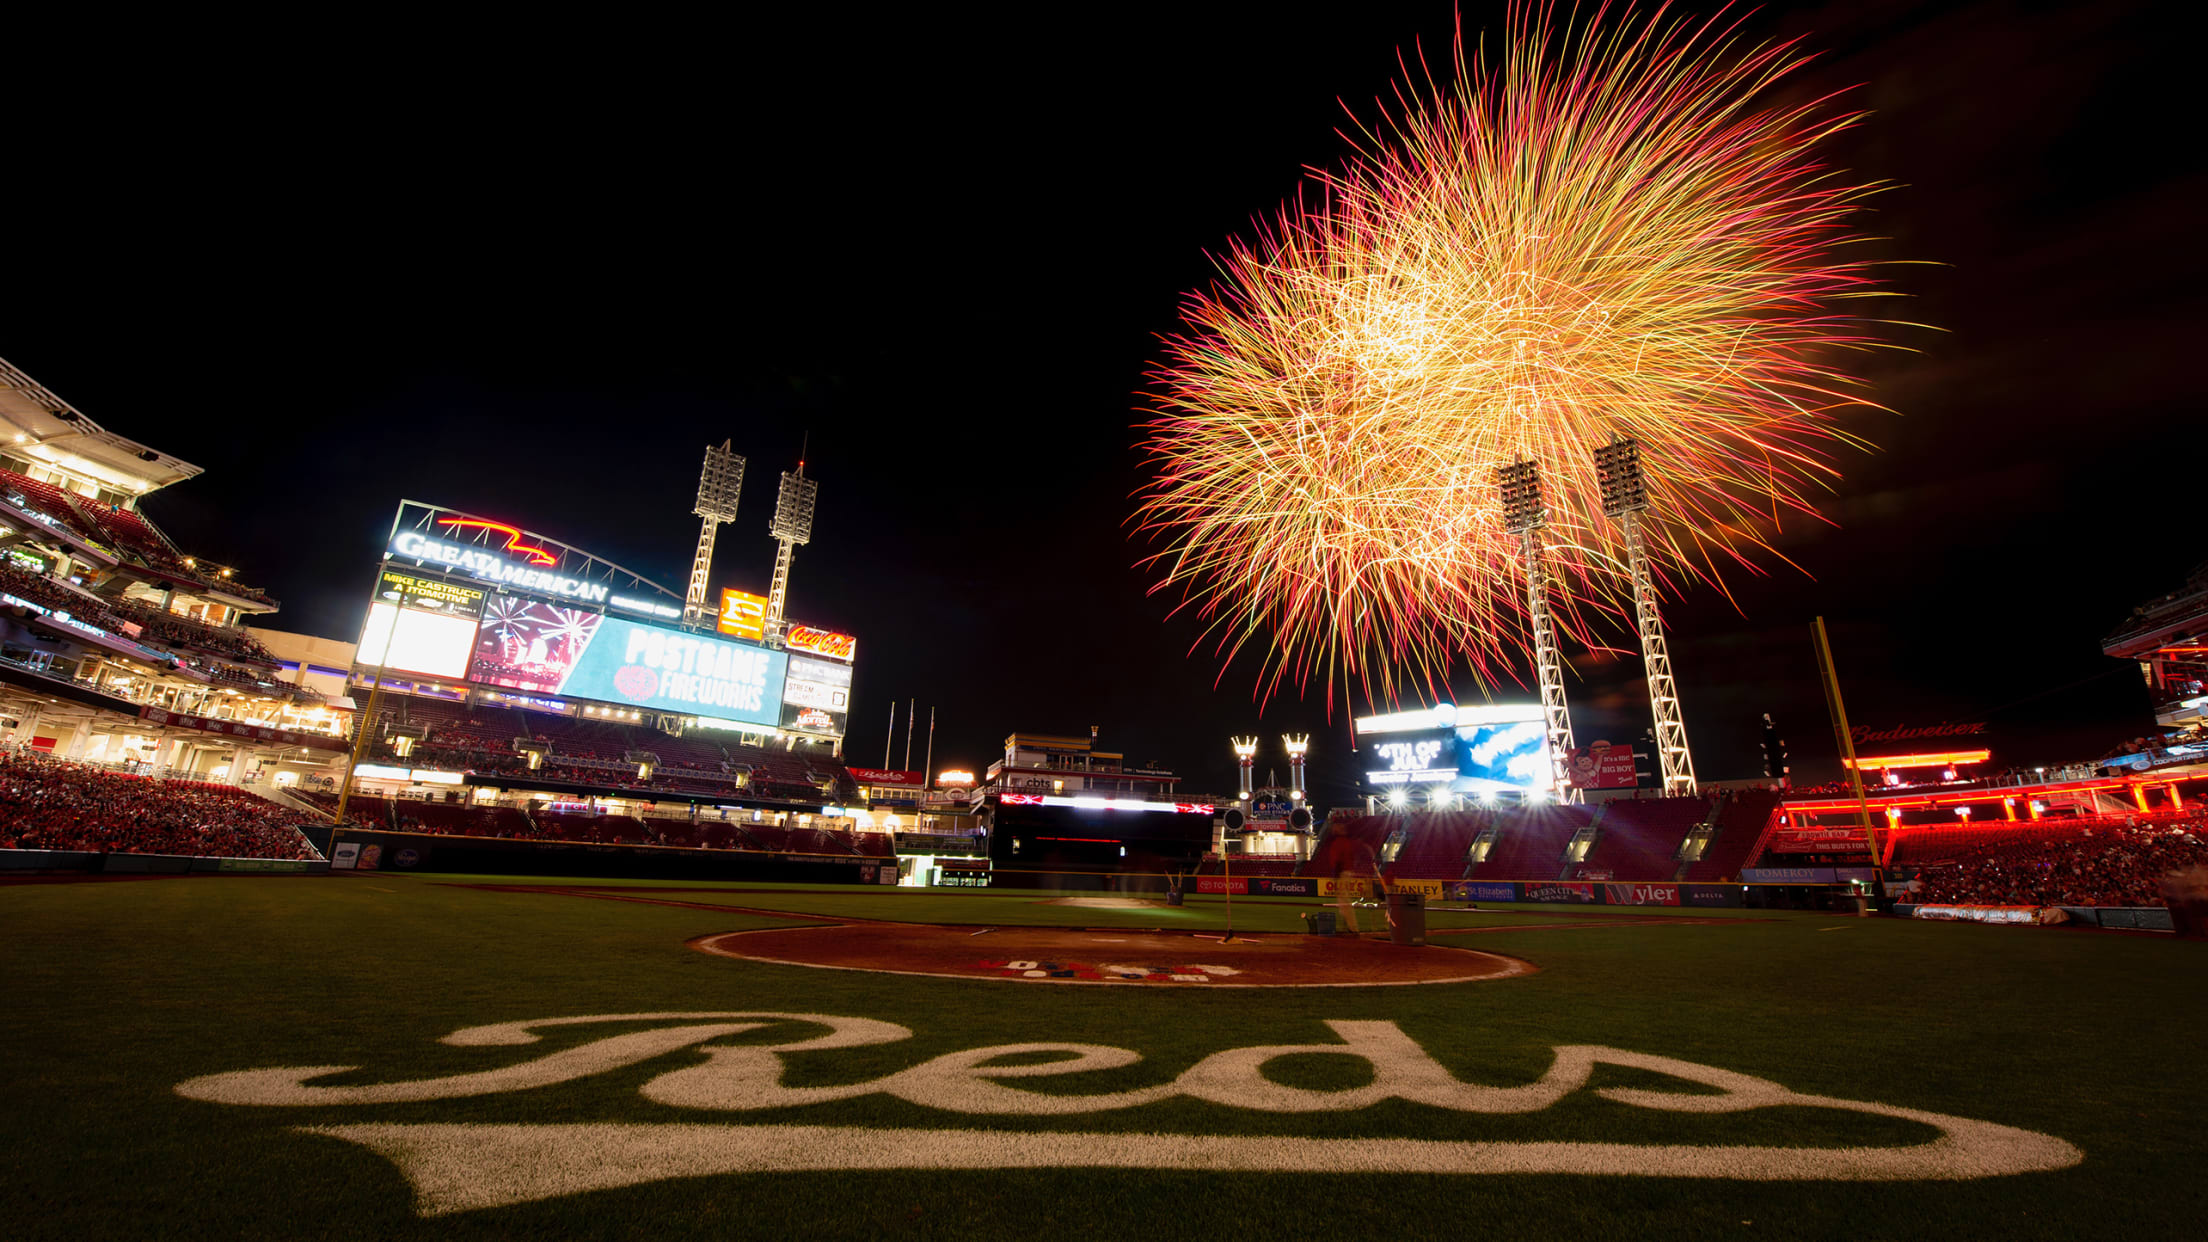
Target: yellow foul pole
column 1843, row 734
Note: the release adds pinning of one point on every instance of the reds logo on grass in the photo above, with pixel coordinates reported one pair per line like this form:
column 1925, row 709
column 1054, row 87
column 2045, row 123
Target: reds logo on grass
column 457, row 1167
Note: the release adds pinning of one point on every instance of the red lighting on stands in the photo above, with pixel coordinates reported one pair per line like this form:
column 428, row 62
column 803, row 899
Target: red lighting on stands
column 1012, row 799
column 536, row 555
column 1940, row 759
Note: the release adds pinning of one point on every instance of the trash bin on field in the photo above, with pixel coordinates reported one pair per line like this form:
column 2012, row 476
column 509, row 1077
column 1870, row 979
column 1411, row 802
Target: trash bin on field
column 1173, row 897
column 1319, row 922
column 1407, row 917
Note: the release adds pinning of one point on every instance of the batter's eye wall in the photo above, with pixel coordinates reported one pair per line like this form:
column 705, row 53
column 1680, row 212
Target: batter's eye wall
column 1053, row 838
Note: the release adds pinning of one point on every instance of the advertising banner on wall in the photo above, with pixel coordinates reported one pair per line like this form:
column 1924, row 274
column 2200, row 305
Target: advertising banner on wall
column 1283, row 886
column 1561, row 890
column 819, row 684
column 420, row 625
column 884, row 776
column 1642, row 894
column 815, row 641
column 743, row 615
column 1787, row 875
column 1600, row 765
column 812, row 720
column 1709, row 894
column 1482, row 890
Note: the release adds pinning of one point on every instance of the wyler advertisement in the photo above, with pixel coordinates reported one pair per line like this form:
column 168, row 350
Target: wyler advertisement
column 1642, row 894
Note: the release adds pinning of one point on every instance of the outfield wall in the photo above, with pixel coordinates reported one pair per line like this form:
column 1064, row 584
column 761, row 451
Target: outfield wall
column 354, row 849
column 21, row 861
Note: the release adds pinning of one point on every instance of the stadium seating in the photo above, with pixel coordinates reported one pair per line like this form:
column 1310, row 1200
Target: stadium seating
column 1743, row 822
column 2100, row 862
column 1639, row 839
column 1530, row 842
column 1437, row 845
column 53, row 804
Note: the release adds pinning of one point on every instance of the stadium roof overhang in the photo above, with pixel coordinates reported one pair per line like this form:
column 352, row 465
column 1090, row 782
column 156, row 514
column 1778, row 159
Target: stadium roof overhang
column 42, row 427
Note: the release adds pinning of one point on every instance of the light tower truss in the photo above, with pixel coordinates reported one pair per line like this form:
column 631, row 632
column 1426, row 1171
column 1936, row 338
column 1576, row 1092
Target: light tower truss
column 1524, row 514
column 1624, row 500
column 718, row 486
column 792, row 525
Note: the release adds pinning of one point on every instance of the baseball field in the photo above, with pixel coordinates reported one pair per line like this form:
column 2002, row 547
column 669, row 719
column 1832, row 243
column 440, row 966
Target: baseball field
column 443, row 1057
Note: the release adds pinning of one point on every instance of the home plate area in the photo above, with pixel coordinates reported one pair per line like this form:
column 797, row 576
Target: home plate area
column 1111, row 956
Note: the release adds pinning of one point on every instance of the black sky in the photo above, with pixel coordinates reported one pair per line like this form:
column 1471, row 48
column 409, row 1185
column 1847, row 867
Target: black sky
column 529, row 269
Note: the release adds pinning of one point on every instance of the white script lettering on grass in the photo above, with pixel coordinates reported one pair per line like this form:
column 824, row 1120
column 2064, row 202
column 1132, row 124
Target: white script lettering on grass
column 459, row 1167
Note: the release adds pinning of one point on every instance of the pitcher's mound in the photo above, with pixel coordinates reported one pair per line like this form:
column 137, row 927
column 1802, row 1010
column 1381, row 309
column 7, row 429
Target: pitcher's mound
column 1073, row 955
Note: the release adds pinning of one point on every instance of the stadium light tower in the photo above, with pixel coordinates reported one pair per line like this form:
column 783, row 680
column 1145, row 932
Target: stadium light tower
column 1624, row 500
column 718, row 485
column 1245, row 753
column 792, row 525
column 1524, row 514
column 1299, row 745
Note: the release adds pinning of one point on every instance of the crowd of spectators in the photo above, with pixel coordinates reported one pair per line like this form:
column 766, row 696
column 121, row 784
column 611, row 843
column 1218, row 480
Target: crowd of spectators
column 2113, row 864
column 54, row 804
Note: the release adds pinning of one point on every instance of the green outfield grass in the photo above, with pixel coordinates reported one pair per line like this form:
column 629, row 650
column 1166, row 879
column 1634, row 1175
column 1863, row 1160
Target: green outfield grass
column 115, row 992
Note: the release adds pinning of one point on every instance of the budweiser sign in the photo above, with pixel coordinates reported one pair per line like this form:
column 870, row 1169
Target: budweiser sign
column 1903, row 733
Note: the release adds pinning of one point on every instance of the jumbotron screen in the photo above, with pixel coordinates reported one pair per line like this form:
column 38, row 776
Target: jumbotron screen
column 565, row 651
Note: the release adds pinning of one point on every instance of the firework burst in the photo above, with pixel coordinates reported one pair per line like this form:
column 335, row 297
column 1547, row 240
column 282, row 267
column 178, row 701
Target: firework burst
column 1601, row 228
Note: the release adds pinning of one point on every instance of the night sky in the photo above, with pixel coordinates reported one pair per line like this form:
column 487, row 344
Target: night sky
column 531, row 270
